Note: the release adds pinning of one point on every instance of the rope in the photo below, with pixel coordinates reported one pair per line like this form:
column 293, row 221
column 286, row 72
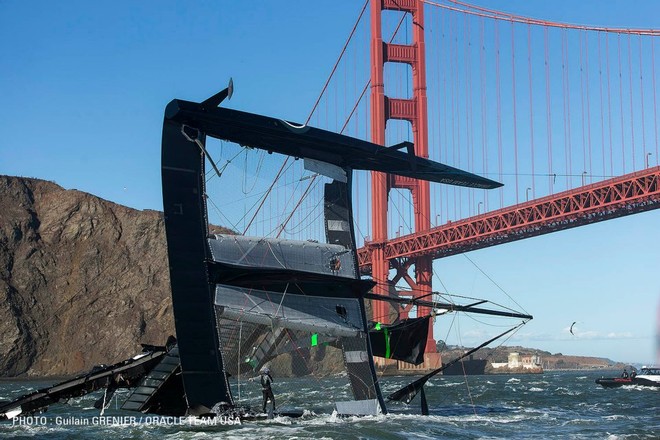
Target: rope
column 503, row 16
column 493, row 281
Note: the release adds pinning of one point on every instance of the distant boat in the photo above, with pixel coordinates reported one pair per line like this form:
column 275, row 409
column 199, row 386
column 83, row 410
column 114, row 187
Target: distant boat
column 648, row 376
column 469, row 367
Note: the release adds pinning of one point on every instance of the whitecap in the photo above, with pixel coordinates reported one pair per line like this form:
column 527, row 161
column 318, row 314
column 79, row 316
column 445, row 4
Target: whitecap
column 615, row 417
column 451, row 384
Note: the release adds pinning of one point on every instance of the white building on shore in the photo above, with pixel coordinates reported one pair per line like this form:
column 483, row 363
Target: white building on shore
column 516, row 361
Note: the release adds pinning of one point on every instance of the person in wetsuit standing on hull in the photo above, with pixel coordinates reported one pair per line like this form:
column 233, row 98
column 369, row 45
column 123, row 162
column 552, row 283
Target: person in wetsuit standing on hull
column 267, row 391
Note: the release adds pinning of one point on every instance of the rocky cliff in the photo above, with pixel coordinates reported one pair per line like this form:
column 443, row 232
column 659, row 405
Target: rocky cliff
column 83, row 281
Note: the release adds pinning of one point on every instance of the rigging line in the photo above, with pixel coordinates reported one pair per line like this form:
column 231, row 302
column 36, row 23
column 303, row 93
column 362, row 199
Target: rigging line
column 396, row 208
column 301, row 224
column 409, row 391
column 449, row 297
column 497, row 285
column 282, row 168
column 208, row 156
column 493, row 303
column 475, row 299
column 498, row 15
column 449, row 329
column 201, row 147
column 262, row 155
column 249, row 196
column 267, row 193
column 360, row 232
column 297, row 205
column 486, row 323
column 238, row 361
column 334, row 68
column 442, row 284
column 274, row 254
column 209, row 173
column 460, row 341
column 210, row 200
column 357, row 103
column 311, row 182
column 282, row 300
column 290, row 199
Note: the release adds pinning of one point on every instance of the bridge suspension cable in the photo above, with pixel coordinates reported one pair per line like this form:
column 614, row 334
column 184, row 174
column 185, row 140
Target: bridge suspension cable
column 479, row 11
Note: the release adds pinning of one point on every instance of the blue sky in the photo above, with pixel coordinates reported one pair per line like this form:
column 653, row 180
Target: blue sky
column 84, row 85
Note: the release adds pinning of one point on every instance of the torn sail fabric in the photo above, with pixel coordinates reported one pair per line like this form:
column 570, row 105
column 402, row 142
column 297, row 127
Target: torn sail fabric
column 403, row 341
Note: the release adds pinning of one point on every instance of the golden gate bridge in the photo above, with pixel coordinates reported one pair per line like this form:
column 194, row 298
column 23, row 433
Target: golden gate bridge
column 566, row 116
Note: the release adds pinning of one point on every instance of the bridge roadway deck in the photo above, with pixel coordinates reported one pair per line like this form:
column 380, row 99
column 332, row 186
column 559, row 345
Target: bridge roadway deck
column 608, row 199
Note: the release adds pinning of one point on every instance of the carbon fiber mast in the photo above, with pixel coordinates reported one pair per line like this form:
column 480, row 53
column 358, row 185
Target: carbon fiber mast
column 211, row 276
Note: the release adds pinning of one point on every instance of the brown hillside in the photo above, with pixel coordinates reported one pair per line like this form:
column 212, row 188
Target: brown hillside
column 83, row 280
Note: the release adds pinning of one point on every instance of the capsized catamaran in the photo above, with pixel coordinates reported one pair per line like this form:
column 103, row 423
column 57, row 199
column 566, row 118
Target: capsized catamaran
column 240, row 302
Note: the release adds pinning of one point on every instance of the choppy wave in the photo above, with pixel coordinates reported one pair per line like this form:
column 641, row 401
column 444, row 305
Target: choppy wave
column 549, row 406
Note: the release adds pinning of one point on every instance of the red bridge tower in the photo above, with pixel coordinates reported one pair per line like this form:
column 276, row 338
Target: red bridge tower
column 414, row 111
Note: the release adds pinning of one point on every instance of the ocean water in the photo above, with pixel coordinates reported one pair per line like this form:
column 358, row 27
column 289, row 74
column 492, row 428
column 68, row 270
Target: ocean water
column 553, row 405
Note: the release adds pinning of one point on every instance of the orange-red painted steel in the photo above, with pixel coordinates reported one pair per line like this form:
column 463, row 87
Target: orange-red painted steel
column 625, row 195
column 415, row 111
